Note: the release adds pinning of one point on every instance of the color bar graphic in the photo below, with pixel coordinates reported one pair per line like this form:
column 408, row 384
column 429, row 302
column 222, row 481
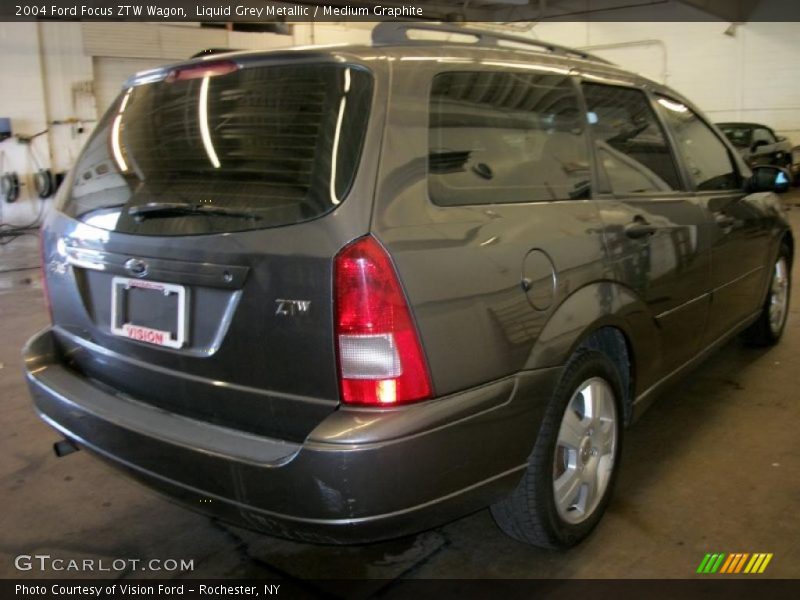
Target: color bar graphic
column 711, row 563
column 734, row 563
column 731, row 564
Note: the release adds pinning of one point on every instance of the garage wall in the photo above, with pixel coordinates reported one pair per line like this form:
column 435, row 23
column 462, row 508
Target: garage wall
column 111, row 72
column 750, row 76
column 67, row 85
column 150, row 40
column 22, row 99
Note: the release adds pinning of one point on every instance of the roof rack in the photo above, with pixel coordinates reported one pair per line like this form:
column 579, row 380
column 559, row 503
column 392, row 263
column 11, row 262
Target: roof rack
column 388, row 33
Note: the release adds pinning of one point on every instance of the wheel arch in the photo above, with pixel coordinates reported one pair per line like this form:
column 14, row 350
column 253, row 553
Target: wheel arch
column 788, row 239
column 619, row 324
column 615, row 344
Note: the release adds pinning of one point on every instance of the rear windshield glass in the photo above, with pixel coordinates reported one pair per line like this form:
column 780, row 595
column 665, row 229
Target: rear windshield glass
column 252, row 148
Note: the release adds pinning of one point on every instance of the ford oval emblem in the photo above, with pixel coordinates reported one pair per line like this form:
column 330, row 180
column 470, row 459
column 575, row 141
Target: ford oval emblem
column 137, row 267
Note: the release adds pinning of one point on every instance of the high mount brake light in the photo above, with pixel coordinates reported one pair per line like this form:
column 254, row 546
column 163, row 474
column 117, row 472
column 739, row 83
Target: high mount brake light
column 199, row 71
column 381, row 362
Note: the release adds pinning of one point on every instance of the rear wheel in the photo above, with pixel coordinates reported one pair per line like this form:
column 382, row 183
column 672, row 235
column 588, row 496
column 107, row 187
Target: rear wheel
column 769, row 326
column 572, row 468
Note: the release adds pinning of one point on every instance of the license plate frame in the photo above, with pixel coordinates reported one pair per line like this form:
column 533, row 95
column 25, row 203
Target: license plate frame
column 140, row 333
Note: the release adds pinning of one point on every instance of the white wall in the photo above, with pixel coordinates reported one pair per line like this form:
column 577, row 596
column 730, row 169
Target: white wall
column 64, row 65
column 752, row 76
column 23, row 100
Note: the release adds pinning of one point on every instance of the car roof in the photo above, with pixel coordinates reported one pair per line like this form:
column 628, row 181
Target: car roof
column 535, row 55
column 403, row 55
column 742, row 125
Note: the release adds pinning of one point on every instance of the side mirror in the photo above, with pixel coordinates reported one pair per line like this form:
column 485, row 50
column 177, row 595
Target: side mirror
column 781, row 138
column 769, row 178
column 757, row 145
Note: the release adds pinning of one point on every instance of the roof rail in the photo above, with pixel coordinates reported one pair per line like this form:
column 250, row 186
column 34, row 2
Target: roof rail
column 388, row 33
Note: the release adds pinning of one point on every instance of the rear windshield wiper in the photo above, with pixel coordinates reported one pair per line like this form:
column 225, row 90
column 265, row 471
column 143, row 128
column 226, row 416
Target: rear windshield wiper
column 173, row 209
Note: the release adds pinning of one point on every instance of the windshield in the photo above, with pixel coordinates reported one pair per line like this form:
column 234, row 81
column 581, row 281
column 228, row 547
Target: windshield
column 738, row 135
column 245, row 149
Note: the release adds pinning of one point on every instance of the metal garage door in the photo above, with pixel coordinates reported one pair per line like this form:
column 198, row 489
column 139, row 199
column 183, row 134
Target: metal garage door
column 111, row 73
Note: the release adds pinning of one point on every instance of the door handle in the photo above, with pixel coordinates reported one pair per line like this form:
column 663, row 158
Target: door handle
column 639, row 229
column 724, row 220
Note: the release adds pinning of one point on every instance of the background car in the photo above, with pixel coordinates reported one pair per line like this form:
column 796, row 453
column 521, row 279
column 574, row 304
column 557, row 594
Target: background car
column 759, row 144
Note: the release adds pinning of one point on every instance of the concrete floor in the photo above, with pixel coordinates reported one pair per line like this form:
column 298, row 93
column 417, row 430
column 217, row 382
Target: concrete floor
column 712, row 467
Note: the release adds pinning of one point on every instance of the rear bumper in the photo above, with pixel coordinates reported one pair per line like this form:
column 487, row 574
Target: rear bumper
column 361, row 475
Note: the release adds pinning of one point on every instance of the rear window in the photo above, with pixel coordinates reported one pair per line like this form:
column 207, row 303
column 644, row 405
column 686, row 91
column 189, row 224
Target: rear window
column 248, row 149
column 503, row 137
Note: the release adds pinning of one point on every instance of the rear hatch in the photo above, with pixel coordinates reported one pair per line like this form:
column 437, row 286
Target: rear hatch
column 190, row 258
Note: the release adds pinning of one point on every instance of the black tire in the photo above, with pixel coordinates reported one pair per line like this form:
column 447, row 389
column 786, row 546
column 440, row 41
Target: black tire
column 529, row 513
column 44, row 183
column 762, row 333
column 9, row 187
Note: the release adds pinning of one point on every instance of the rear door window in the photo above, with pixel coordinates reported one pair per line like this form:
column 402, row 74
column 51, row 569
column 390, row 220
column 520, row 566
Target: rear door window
column 505, row 137
column 244, row 149
column 706, row 156
column 632, row 150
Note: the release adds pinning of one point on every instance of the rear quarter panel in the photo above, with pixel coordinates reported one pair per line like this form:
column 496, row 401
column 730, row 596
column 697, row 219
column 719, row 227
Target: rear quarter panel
column 462, row 267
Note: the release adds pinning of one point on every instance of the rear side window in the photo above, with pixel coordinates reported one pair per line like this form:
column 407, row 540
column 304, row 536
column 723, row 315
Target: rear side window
column 631, row 147
column 248, row 149
column 705, row 155
column 498, row 137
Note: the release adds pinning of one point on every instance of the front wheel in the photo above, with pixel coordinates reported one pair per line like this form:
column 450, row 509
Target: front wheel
column 572, row 468
column 769, row 326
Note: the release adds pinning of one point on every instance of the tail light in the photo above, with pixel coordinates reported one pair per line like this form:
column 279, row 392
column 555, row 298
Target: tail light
column 43, row 267
column 380, row 356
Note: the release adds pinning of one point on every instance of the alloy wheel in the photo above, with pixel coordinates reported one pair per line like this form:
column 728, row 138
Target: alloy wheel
column 585, row 450
column 779, row 296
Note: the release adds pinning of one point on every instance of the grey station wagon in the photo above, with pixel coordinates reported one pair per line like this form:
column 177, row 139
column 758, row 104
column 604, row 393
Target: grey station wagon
column 349, row 293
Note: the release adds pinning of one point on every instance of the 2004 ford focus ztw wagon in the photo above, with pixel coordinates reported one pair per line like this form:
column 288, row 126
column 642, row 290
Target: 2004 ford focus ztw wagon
column 352, row 293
